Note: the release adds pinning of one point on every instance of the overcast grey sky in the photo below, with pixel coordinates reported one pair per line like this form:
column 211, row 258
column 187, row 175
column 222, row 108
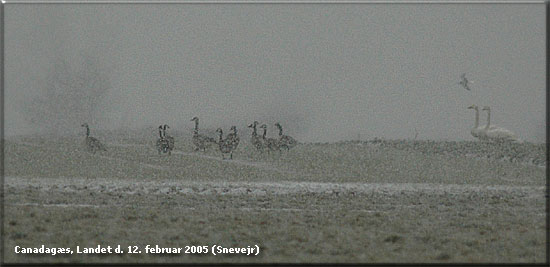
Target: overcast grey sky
column 327, row 72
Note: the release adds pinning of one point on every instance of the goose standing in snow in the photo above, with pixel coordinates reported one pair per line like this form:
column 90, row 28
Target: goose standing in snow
column 233, row 138
column 256, row 140
column 477, row 131
column 270, row 143
column 169, row 138
column 92, row 144
column 285, row 141
column 495, row 133
column 201, row 141
column 163, row 145
column 225, row 145
column 159, row 140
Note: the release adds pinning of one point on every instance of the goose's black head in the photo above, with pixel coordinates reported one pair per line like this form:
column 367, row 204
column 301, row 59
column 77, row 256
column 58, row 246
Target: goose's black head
column 195, row 119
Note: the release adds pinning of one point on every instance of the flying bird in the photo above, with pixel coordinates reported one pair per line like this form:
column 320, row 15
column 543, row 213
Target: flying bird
column 464, row 82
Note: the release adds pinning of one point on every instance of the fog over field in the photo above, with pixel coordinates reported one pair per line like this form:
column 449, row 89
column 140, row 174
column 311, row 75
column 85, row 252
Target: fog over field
column 326, row 72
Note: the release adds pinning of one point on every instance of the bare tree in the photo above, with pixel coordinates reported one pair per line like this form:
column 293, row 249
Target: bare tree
column 70, row 96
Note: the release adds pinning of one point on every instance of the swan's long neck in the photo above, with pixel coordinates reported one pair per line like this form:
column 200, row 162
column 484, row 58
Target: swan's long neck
column 221, row 135
column 477, row 119
column 87, row 131
column 280, row 129
column 254, row 133
column 197, row 125
column 488, row 119
column 265, row 132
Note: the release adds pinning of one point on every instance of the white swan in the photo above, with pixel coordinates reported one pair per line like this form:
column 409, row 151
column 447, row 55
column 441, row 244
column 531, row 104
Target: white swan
column 495, row 133
column 477, row 131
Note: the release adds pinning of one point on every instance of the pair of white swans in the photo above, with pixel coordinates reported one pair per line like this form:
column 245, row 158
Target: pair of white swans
column 490, row 132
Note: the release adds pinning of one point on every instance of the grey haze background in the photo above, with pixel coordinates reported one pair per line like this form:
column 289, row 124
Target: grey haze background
column 327, row 72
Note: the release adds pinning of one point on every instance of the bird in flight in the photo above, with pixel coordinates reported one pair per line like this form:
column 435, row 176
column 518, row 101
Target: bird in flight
column 464, row 82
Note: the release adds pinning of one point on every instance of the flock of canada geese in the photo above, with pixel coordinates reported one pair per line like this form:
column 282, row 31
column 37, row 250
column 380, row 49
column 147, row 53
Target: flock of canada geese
column 165, row 142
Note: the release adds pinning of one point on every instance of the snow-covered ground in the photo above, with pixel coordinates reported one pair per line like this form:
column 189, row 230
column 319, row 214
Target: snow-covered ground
column 375, row 201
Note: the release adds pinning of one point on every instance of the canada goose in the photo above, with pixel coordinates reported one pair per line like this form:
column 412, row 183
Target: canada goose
column 270, row 143
column 495, row 133
column 285, row 141
column 256, row 140
column 92, row 144
column 225, row 145
column 163, row 145
column 169, row 138
column 233, row 138
column 199, row 140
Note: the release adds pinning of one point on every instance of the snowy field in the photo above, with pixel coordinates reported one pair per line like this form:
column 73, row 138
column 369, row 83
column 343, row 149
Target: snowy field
column 348, row 202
